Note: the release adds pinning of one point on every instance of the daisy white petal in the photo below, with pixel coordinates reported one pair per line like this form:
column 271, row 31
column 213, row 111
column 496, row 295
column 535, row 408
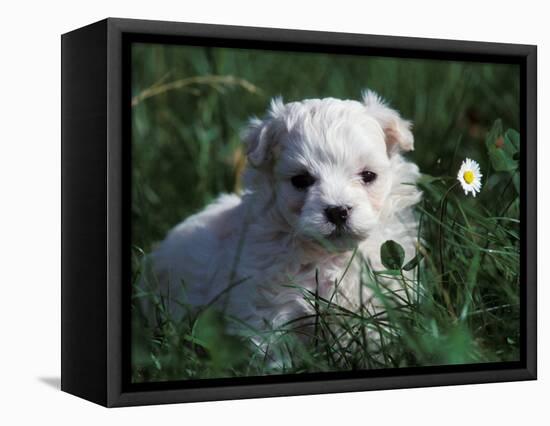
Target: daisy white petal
column 470, row 176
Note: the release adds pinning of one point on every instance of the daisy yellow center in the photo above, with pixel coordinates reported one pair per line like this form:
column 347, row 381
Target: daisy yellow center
column 469, row 176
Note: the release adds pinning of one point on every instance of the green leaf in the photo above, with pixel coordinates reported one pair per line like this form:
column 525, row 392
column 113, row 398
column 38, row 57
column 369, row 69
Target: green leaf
column 513, row 138
column 411, row 264
column 210, row 331
column 428, row 182
column 156, row 362
column 209, row 328
column 392, row 255
column 425, row 179
column 502, row 148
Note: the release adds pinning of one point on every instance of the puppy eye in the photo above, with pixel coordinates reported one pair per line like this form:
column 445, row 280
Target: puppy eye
column 302, row 181
column 368, row 176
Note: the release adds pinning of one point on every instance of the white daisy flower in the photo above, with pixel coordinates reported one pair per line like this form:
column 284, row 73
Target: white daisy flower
column 470, row 176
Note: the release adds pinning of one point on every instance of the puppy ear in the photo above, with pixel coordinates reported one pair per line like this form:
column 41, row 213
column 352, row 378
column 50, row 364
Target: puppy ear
column 261, row 135
column 397, row 131
column 255, row 141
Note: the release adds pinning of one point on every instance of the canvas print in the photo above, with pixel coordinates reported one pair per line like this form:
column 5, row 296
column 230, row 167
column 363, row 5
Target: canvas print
column 298, row 212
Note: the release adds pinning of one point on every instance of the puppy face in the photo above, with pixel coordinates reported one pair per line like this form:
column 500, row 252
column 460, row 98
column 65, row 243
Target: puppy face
column 328, row 164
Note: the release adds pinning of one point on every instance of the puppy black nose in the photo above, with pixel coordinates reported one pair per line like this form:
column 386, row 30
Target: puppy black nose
column 337, row 214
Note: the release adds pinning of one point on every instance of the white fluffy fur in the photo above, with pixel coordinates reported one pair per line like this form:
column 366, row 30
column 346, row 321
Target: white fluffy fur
column 249, row 247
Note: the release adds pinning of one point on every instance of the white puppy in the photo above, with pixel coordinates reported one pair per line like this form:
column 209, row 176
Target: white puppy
column 324, row 176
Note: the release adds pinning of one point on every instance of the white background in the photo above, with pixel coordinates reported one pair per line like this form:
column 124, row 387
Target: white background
column 30, row 211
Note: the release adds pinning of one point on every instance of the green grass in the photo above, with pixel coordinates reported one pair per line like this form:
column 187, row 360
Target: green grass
column 462, row 304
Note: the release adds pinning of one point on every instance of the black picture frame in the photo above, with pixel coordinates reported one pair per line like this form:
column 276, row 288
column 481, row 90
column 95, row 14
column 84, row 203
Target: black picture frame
column 96, row 224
